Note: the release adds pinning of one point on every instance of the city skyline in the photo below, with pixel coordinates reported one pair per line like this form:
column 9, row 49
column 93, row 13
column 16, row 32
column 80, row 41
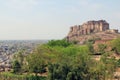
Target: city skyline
column 51, row 19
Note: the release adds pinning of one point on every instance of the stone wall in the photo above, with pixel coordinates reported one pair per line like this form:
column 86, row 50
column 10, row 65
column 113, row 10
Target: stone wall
column 112, row 31
column 88, row 28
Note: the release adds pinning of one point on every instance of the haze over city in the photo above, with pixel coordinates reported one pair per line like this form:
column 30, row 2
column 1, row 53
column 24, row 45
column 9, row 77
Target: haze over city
column 51, row 19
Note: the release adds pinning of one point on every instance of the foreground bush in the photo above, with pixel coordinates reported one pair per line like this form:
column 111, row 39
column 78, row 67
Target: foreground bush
column 10, row 76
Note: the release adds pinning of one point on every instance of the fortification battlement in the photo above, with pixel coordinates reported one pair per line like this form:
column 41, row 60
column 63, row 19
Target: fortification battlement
column 90, row 27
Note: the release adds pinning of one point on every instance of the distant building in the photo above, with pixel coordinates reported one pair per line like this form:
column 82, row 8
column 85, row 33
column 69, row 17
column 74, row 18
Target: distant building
column 80, row 32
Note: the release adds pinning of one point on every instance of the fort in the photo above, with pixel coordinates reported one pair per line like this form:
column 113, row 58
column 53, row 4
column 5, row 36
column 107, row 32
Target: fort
column 88, row 28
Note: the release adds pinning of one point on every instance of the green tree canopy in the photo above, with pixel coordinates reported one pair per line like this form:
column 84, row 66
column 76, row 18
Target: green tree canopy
column 116, row 45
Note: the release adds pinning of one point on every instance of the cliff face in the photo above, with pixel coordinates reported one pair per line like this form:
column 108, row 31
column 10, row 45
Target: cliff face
column 91, row 29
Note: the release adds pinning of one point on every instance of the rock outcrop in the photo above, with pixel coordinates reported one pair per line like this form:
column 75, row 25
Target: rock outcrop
column 92, row 29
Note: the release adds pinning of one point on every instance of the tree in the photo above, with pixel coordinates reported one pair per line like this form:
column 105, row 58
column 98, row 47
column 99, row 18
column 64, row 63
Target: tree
column 116, row 45
column 76, row 68
column 118, row 62
column 16, row 67
column 90, row 47
column 110, row 65
column 101, row 48
column 20, row 57
column 36, row 63
column 63, row 43
column 58, row 71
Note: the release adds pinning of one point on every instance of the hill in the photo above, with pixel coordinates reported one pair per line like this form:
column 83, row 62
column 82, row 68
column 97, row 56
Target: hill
column 95, row 30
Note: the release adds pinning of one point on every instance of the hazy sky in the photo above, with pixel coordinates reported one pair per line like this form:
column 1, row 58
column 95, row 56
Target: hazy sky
column 51, row 19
